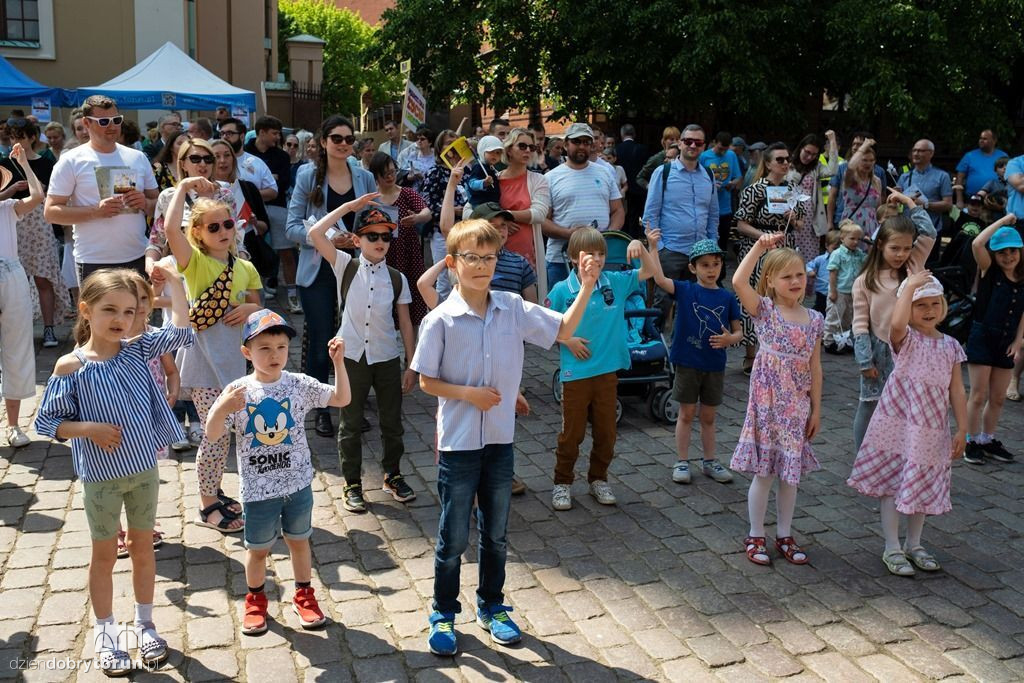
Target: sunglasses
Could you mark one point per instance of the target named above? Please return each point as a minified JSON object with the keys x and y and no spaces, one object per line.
{"x":338,"y":139}
{"x":782,"y":160}
{"x":291,"y":144}
{"x":214,"y":228}
{"x":384,"y":237}
{"x":526,"y":147}
{"x":105,"y":121}
{"x":200,"y":158}
{"x":692,"y":142}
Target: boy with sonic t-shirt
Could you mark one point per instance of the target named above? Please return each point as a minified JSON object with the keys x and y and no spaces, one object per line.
{"x":267,"y":411}
{"x":707,"y":322}
{"x":470,"y":355}
{"x":589,"y":363}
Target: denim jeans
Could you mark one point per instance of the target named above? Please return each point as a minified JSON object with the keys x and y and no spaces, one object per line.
{"x":320,"y":310}
{"x":487,"y":474}
{"x":556,"y":273}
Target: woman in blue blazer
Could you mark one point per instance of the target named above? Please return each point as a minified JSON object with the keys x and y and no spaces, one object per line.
{"x":320,"y":187}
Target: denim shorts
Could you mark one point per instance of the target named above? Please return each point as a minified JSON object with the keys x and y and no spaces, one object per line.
{"x":292,"y":514}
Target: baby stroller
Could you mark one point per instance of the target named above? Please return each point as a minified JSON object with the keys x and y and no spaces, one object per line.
{"x":959,"y":300}
{"x":649,"y":376}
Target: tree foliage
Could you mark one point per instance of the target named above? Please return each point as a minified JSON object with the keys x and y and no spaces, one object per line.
{"x":347,"y":39}
{"x":945,"y":66}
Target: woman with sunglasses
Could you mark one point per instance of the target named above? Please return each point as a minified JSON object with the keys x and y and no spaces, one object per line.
{"x":37,"y":245}
{"x":165,"y":164}
{"x":406,"y":253}
{"x":417,"y":160}
{"x":321,"y":187}
{"x":524,"y":194}
{"x":755,"y":217}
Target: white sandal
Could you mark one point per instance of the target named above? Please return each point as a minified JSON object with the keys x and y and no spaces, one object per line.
{"x":152,"y":648}
{"x":111,"y":658}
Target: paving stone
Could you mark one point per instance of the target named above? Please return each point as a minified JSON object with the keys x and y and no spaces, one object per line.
{"x":555,"y":580}
{"x":62,"y":608}
{"x":714,"y":650}
{"x":924,"y":659}
{"x":380,"y":669}
{"x":845,"y":640}
{"x":687,"y":670}
{"x":273,"y":664}
{"x":795,"y":637}
{"x":943,"y":611}
{"x":211,"y":632}
{"x":212,"y":665}
{"x":980,"y":664}
{"x":942,"y":637}
{"x":659,"y":643}
{"x":740,"y":630}
{"x":685,"y":622}
{"x":832,"y":666}
{"x":772,"y":660}
{"x":874,"y":626}
{"x":998,"y":645}
{"x":885,"y":668}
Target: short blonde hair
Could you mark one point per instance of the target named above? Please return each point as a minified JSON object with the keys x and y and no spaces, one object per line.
{"x":475,"y":232}
{"x":200,"y":208}
{"x":832,"y":238}
{"x":772,"y":263}
{"x":187,"y":147}
{"x":586,"y":239}
{"x":848,"y":227}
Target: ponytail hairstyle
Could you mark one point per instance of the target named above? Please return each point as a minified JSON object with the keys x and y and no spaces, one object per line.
{"x":97,"y":286}
{"x":774,"y":261}
{"x":329,"y":124}
{"x":200,"y":208}
{"x":899,"y":224}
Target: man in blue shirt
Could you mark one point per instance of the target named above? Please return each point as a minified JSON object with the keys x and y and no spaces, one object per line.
{"x":928,"y":186}
{"x":684,"y":206}
{"x":724,"y":164}
{"x":1015,"y":180}
{"x":977,"y":167}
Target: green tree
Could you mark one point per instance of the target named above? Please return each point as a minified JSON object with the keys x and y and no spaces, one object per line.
{"x":347,"y":39}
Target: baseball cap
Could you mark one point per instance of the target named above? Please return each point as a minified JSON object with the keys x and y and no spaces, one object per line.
{"x":1005,"y":238}
{"x":489,"y":210}
{"x":259,"y":322}
{"x":488,"y":143}
{"x":931,"y":288}
{"x":371,"y":217}
{"x":757,"y":147}
{"x":703,"y":248}
{"x":579,"y":130}
{"x":739,"y":142}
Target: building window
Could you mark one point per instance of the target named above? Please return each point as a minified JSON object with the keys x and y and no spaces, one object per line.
{"x":19,"y":20}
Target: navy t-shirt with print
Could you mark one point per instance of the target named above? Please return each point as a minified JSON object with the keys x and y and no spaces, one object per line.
{"x":700,"y":313}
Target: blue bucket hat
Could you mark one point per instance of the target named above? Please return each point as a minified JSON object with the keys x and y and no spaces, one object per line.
{"x":703,"y":248}
{"x":1005,"y":238}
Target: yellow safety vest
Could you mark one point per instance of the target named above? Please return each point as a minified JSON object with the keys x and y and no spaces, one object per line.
{"x":825,"y":179}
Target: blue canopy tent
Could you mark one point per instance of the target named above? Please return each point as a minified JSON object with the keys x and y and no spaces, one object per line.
{"x":170,"y":79}
{"x":17,"y":88}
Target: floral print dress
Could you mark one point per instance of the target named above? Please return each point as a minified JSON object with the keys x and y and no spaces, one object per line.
{"x":773,"y":440}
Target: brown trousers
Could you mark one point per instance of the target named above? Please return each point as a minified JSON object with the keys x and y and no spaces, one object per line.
{"x":583,"y":400}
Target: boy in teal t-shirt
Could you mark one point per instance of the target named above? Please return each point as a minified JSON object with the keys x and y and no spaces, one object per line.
{"x":588,"y":365}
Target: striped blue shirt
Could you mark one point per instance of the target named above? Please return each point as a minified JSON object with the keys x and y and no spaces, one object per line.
{"x":118,"y":391}
{"x":513,"y":273}
{"x":458,"y":346}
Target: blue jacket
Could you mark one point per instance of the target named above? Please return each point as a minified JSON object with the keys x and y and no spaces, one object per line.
{"x":301,"y":207}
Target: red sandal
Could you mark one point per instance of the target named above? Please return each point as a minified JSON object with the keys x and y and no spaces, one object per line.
{"x":788,"y":547}
{"x":757,"y":545}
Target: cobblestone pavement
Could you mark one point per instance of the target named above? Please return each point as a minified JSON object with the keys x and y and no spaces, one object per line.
{"x":656,"y":588}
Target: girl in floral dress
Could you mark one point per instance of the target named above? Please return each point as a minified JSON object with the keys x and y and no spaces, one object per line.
{"x":784,"y":410}
{"x":907,"y":452}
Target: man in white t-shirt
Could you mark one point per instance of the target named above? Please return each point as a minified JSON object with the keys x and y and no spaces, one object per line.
{"x":583,"y":194}
{"x":106,"y":191}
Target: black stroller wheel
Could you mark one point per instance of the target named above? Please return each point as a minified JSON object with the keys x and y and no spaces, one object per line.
{"x":556,"y":387}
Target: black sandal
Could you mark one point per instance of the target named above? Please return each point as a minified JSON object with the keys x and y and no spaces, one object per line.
{"x":229,"y":501}
{"x":227,"y":516}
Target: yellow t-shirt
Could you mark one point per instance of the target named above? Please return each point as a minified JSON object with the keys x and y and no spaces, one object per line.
{"x":203,"y":270}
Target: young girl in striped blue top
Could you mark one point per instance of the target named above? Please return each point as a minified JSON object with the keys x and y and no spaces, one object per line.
{"x":103,"y":398}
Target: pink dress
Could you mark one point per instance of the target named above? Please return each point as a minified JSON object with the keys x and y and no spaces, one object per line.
{"x":906,"y":450}
{"x":773,"y":439}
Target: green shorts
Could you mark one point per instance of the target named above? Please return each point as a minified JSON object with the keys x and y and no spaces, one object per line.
{"x":103,"y":500}
{"x":691,"y":385}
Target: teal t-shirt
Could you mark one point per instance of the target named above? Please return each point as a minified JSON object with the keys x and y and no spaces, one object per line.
{"x":603,"y":324}
{"x":849,"y":264}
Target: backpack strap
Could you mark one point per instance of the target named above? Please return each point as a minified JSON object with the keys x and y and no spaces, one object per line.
{"x":396,"y":285}
{"x":667,"y":166}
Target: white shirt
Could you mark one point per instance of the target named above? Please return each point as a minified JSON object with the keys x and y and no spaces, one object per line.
{"x":256,"y":171}
{"x":579,"y":197}
{"x":367,"y":325}
{"x":77,"y":175}
{"x":8,"y":230}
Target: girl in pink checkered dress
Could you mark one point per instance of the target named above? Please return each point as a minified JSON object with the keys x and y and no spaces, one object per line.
{"x":906,"y":456}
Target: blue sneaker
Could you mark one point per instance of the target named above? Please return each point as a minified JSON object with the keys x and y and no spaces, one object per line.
{"x":496,"y":620}
{"x":442,"y":634}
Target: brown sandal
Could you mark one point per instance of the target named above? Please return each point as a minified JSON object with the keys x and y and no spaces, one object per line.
{"x":757,"y":545}
{"x":788,"y":547}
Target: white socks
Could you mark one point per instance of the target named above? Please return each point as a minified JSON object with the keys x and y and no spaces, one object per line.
{"x":891,"y":525}
{"x":757,"y":503}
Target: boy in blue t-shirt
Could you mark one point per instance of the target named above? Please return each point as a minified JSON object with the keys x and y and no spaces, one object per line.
{"x":588,"y":364}
{"x":707,"y":322}
{"x":817,"y":268}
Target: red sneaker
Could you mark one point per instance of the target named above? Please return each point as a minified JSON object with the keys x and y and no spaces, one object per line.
{"x":255,"y":620}
{"x":306,"y":607}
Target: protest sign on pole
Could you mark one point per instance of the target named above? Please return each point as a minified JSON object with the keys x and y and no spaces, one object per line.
{"x":414,"y":112}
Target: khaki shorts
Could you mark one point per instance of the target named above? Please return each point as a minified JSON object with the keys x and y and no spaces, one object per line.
{"x":692,"y":385}
{"x":138,"y":494}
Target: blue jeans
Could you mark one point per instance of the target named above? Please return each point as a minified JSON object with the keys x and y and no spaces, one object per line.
{"x":320,"y":310}
{"x":556,"y":273}
{"x":486,"y":474}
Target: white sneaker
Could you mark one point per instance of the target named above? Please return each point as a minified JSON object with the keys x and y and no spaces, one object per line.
{"x":293,"y":304}
{"x":681,"y":472}
{"x":602,"y":492}
{"x":561,"y":497}
{"x":715,"y":470}
{"x":179,"y":446}
{"x":17,"y":438}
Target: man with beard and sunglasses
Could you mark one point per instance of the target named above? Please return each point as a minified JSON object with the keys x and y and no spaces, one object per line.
{"x":106,"y":191}
{"x":582,"y":194}
{"x":250,"y":167}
